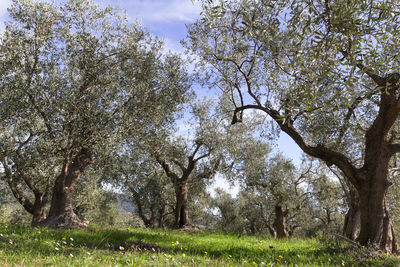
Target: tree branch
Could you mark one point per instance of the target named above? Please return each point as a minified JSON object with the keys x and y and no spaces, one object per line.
{"x":18,"y":194}
{"x":394,"y":148}
{"x":168,"y":171}
{"x":320,"y":151}
{"x":380,"y":81}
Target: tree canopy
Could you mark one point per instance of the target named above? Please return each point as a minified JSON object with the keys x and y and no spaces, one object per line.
{"x":75,"y":78}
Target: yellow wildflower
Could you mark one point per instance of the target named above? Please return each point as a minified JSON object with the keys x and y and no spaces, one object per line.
{"x":121,"y":248}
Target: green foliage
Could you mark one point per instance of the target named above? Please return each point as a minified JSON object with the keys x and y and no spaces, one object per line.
{"x":229,"y":214}
{"x":93,"y":203}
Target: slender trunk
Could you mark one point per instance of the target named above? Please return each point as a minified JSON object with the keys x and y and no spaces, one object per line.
{"x":152,"y":220}
{"x":352,"y":220}
{"x":161,"y":211}
{"x":280,"y":222}
{"x":61,"y":213}
{"x":252,"y":228}
{"x":181,"y":209}
{"x":136,"y":197}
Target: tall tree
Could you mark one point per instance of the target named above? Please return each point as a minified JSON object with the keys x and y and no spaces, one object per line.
{"x":326,"y":73}
{"x":188,"y":160}
{"x":74,"y":78}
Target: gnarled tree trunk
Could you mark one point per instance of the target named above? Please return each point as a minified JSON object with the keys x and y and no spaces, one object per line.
{"x":148,"y":222}
{"x":38,"y":213}
{"x":280,"y":222}
{"x":181,"y":209}
{"x":352,"y":220}
{"x":61,"y":213}
{"x":376,"y":226}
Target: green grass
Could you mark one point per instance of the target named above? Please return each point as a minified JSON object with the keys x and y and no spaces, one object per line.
{"x":24,"y":246}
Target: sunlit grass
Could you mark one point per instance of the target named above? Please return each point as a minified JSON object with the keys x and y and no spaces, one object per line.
{"x":24,"y":246}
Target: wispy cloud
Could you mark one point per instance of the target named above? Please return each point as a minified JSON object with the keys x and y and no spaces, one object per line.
{"x":4,"y":4}
{"x":160,"y":11}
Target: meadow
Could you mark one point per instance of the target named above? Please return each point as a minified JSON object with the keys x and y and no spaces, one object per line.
{"x":96,"y":246}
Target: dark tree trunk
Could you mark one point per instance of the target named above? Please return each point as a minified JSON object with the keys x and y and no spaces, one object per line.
{"x":161,"y":212}
{"x":352,"y":220}
{"x":280,"y":222}
{"x":61,"y":214}
{"x":181,"y":209}
{"x":376,"y":226}
{"x":148,"y":222}
{"x":38,"y":214}
{"x":252,"y":228}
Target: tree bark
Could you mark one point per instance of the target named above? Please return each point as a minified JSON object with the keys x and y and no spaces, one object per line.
{"x":38,"y":213}
{"x":376,"y":226}
{"x":161,"y":212}
{"x":352,"y":220}
{"x":61,"y":214}
{"x":40,"y":197}
{"x":181,"y":209}
{"x":148,"y":222}
{"x":280,"y":222}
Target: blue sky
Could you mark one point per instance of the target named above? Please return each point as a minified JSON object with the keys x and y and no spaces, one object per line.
{"x":167,"y":20}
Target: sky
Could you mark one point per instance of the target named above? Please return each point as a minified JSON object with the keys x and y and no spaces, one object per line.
{"x":167,"y":19}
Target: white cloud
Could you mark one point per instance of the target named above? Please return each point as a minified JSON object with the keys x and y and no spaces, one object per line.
{"x":159,"y":11}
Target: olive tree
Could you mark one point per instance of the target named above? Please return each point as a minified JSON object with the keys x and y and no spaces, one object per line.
{"x":74,"y":79}
{"x":326,"y":73}
{"x":276,"y":180}
{"x":187,"y":160}
{"x":136,"y":172}
{"x":329,"y":202}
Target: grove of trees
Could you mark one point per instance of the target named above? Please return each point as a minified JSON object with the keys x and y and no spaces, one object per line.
{"x":94,"y":112}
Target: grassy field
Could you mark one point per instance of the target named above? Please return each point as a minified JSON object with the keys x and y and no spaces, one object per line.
{"x":24,"y":246}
